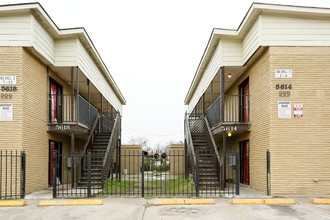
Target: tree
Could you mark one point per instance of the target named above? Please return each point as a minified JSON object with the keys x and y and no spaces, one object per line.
{"x":169,"y":144}
{"x":139,"y":140}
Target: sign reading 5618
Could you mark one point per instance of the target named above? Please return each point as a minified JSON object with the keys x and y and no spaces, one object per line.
{"x":8,"y":88}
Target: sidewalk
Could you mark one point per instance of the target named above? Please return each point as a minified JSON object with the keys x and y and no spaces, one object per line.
{"x":154,"y":209}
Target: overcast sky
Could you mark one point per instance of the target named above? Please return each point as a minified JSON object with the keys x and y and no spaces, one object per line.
{"x":152,"y":49}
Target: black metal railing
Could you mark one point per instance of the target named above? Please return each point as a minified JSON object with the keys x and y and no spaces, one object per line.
{"x":142,"y":176}
{"x":149,"y":176}
{"x":214,"y":149}
{"x":207,"y":163}
{"x":12,"y":174}
{"x":66,"y":108}
{"x":112,"y":145}
{"x":90,"y":163}
{"x":86,"y":112}
{"x":75,"y":181}
{"x":236,"y":110}
{"x":232,"y":178}
{"x":107,"y":122}
{"x":190,"y":151}
{"x":213,"y":113}
{"x":89,"y":140}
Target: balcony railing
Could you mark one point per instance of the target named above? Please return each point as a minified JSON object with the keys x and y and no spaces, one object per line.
{"x":66,"y":108}
{"x":236,"y":110}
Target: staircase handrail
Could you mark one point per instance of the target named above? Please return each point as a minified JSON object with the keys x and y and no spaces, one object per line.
{"x":212,"y":139}
{"x":190,"y":144}
{"x":107,"y":160}
{"x":89,"y":138}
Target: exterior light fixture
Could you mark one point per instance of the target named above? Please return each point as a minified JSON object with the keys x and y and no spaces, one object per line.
{"x":229,"y":76}
{"x":229,"y":134}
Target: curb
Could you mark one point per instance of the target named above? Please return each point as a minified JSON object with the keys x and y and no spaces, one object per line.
{"x":279,"y":202}
{"x":263,"y":202}
{"x":248,"y":201}
{"x":13,"y":203}
{"x":182,"y":202}
{"x":321,"y":201}
{"x":199,"y":201}
{"x":71,"y":202}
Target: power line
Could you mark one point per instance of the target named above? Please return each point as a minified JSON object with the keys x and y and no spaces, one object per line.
{"x":154,"y":135}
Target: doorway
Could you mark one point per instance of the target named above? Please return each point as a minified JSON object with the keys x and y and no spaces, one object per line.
{"x":55,"y":101}
{"x":244,"y":151}
{"x":53,"y":145}
{"x":244,"y":101}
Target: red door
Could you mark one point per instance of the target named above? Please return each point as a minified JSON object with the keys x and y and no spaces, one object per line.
{"x":52,"y":147}
{"x":54,"y":91}
{"x":246,"y":102}
{"x":246,"y":159}
{"x":244,"y":162}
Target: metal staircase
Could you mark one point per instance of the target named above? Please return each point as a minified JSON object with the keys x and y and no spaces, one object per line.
{"x":98,"y":149}
{"x":206,"y":161}
{"x":208,"y":172}
{"x":101,"y":145}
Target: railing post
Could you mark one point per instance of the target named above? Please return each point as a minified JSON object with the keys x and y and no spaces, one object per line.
{"x":142,"y":176}
{"x":186,"y":160}
{"x":222,"y":94}
{"x":77,"y":98}
{"x":72,"y":136}
{"x":54,"y":173}
{"x":89,"y":104}
{"x":238,"y":166}
{"x":76,"y":166}
{"x":23,"y":170}
{"x":89,"y":174}
{"x":197,"y":174}
{"x":268,"y":171}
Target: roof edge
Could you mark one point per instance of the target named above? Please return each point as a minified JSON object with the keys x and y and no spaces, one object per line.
{"x":79,"y":31}
{"x":254,"y":9}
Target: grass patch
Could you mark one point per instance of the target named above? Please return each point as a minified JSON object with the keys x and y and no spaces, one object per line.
{"x":160,"y":185}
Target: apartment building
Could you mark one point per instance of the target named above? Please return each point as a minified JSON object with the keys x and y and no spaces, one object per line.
{"x":55,"y":92}
{"x":264,"y":89}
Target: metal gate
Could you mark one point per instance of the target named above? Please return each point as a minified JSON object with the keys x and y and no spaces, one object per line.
{"x":138,"y":175}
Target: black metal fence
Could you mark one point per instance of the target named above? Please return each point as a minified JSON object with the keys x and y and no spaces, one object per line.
{"x":151,"y":176}
{"x":74,"y":177}
{"x":12,"y":174}
{"x":138,"y":175}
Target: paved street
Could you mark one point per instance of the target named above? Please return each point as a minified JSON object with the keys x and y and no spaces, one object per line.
{"x":138,"y":209}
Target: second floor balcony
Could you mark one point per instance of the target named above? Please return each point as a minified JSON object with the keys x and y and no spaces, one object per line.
{"x":235,"y":115}
{"x":69,"y":112}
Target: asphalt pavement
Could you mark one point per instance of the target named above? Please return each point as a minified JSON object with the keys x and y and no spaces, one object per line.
{"x":154,"y":209}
